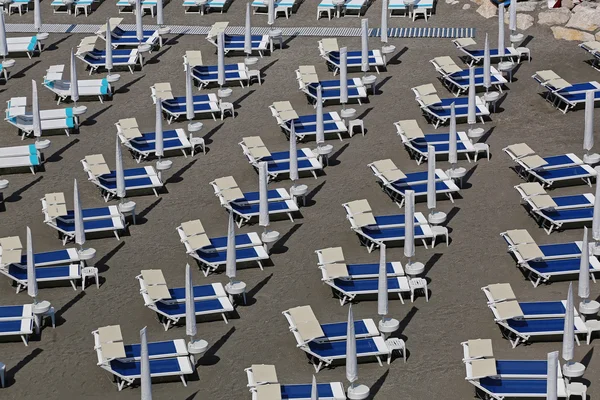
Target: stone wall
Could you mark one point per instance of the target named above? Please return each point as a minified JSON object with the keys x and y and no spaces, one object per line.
{"x":575,"y":20}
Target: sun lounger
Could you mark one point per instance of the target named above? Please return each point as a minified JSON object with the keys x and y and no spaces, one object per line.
{"x":143,"y":145}
{"x":29,"y":45}
{"x":99,"y":174}
{"x":593,"y":48}
{"x":264,"y":385}
{"x":476,"y":56}
{"x":348,"y":7}
{"x":303,"y":321}
{"x":102,"y":219}
{"x":306,"y":125}
{"x":20,"y":156}
{"x":438,"y":111}
{"x":456,"y":79}
{"x":125,"y":6}
{"x":175,"y":107}
{"x":398,"y":8}
{"x":65,"y":119}
{"x":158,"y":289}
{"x":65,"y":7}
{"x":416,"y":142}
{"x":518,"y":329}
{"x":95,"y":58}
{"x":330,"y":90}
{"x":17,"y":321}
{"x":524,"y":248}
{"x":123,"y":38}
{"x":170,"y":313}
{"x":559,"y":91}
{"x":330,"y":52}
{"x":516,"y":388}
{"x":44,"y":259}
{"x":501,"y":293}
{"x":396,"y":183}
{"x":126,"y":372}
{"x":193,"y":6}
{"x":281,"y":6}
{"x":333,"y":265}
{"x":346,"y":290}
{"x":211,"y":252}
{"x":61,"y":273}
{"x":235,"y":43}
{"x":62,"y":88}
{"x":205,"y":75}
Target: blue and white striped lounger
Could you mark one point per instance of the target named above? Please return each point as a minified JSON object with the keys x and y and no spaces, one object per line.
{"x":560,"y":91}
{"x":200,"y":292}
{"x":174,"y":111}
{"x":124,"y":38}
{"x":170,"y":313}
{"x":330,"y":90}
{"x":165,"y":349}
{"x":543,"y":271}
{"x":524,"y":248}
{"x":28,"y":45}
{"x":127,"y":372}
{"x":516,"y":388}
{"x":439,"y":114}
{"x":125,"y":6}
{"x":516,"y":369}
{"x":502,"y":292}
{"x":121,"y":58}
{"x":285,"y":6}
{"x":135,"y":179}
{"x":593,"y":48}
{"x":584,"y":173}
{"x":145,"y":145}
{"x":235,"y":43}
{"x":354,"y":60}
{"x":198,"y":99}
{"x":55,"y":273}
{"x":246,"y":211}
{"x":210,"y":5}
{"x":363,"y":271}
{"x":63,"y":256}
{"x":418,"y":147}
{"x":16,"y":321}
{"x":347,"y":290}
{"x":458,"y":82}
{"x":20,"y":156}
{"x":212,"y":259}
{"x":476,"y":56}
{"x":372,"y":236}
{"x":551,"y":220}
{"x":306,"y":125}
{"x":575,"y":97}
{"x":205,"y":75}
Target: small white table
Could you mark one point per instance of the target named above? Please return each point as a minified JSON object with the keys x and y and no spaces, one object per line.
{"x":275,"y":34}
{"x":491,"y":98}
{"x":370,"y":80}
{"x":236,"y":288}
{"x":128,"y":208}
{"x":410,"y":4}
{"x":195,"y":142}
{"x":388,"y":326}
{"x":254,"y":73}
{"x":42,"y":310}
{"x":323,"y":153}
{"x":299,"y":191}
{"x":396,"y":344}
{"x":358,"y":392}
{"x":457,"y":173}
{"x":506,"y":66}
{"x":89,"y":272}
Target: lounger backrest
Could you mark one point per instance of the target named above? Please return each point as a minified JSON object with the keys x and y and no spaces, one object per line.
{"x":114,"y":23}
{"x":11,"y":250}
{"x":424,"y":90}
{"x":528,"y":251}
{"x":154,"y":283}
{"x":304,"y":321}
{"x":519,"y":236}
{"x":358,"y":207}
{"x":464,"y":42}
{"x":388,"y":170}
{"x":507,"y":310}
{"x":409,"y":128}
{"x":482,"y":368}
{"x":518,"y":150}
{"x":194,"y":235}
{"x":217,"y":28}
{"x":479,"y":348}
{"x":531,"y":189}
{"x":542,"y":202}
{"x":95,"y":164}
{"x":193,"y":58}
{"x":330,"y":255}
{"x":533,"y":161}
{"x":500,"y":292}
{"x":329,"y":44}
{"x":54,"y":205}
{"x":335,"y":270}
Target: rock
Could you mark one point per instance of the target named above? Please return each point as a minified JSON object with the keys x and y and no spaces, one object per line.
{"x":526,"y":6}
{"x":590,"y":4}
{"x":598,"y":36}
{"x":454,"y":2}
{"x":487,"y":10}
{"x":558,"y":16}
{"x":571,"y":34}
{"x":584,"y":18}
{"x":524,"y":21}
{"x":449,"y":1}
{"x":478,"y":2}
{"x":466,"y":6}
{"x":568,"y":4}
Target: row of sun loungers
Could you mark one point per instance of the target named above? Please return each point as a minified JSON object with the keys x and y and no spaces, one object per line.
{"x":305,"y":126}
{"x":330,"y":52}
{"x":175,"y":107}
{"x":456,"y":79}
{"x":29,"y":45}
{"x":562,"y":94}
{"x":17,"y":321}
{"x":308,"y":82}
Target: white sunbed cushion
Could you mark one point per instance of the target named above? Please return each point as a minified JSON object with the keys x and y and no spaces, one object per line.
{"x":426,"y":89}
{"x":271,"y":391}
{"x":264,"y":373}
{"x":533,"y":161}
{"x":411,"y":129}
{"x":529,"y":251}
{"x":519,"y":236}
{"x":501,"y":292}
{"x":331,"y":255}
{"x":531,"y":188}
{"x":542,"y":202}
{"x":558,"y":83}
{"x":358,"y":206}
{"x":227,"y":182}
{"x":483,"y":368}
{"x":508,"y":309}
{"x":336,"y":270}
{"x":479,"y":348}
{"x":463,"y":42}
{"x":547,"y":75}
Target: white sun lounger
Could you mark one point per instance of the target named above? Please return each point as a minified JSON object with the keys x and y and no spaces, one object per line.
{"x":54,"y":81}
{"x":17,"y":321}
{"x":329,"y":50}
{"x":20,"y":156}
{"x":235,"y":43}
{"x":96,"y":58}
{"x":456,"y":79}
{"x":29,"y":45}
{"x":58,"y":273}
{"x":592,"y":47}
{"x":333,"y":264}
{"x":476,"y":56}
{"x":158,"y":288}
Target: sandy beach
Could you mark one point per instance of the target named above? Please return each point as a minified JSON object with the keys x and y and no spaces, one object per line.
{"x":61,"y":362}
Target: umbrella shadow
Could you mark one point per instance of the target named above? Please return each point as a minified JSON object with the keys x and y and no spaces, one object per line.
{"x":278,"y":247}
{"x":174,"y":40}
{"x":404,"y":323}
{"x":16,"y":195}
{"x":395,"y":60}
{"x":91,"y":120}
{"x":250,"y":295}
{"x":207,"y":137}
{"x":56,"y":156}
{"x":140,"y":219}
{"x":451,"y":214}
{"x":266,"y":67}
{"x":376,"y":387}
{"x":192,"y":396}
{"x":54,"y":46}
{"x":236,"y":103}
{"x":101,"y":263}
{"x":309,"y":199}
{"x":176,"y":177}
{"x":380,"y":85}
{"x":125,"y":87}
{"x":487,"y":135}
{"x":286,"y":42}
{"x":429,"y":264}
{"x":333,"y":159}
{"x":10,"y":373}
{"x":154,"y":58}
{"x":465,"y":180}
{"x":588,"y":357}
{"x":59,"y":314}
{"x":210,"y":357}
{"x":21,"y":73}
{"x":365,"y":113}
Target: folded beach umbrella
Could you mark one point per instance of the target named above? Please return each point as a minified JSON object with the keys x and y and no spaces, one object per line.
{"x":512,"y":17}
{"x":108,"y":47}
{"x":146,"y":381}
{"x":221,"y":59}
{"x":351,"y":359}
{"x":3,"y":43}
{"x":584,"y":269}
{"x":596,"y":214}
{"x":364,"y":48}
{"x":159,"y":13}
{"x":119,"y":172}
{"x":78,"y":216}
{"x":230,"y":259}
{"x":471,"y":105}
{"x":263,"y":200}
{"x":552,"y":376}
{"x":320,"y":127}
{"x":568,"y":345}
{"x":189,"y":97}
{"x":588,"y":133}
{"x":248,"y":32}
{"x":501,"y":29}
{"x":32,"y":288}
{"x":452,"y":152}
{"x":73,"y":77}
{"x":431,"y":192}
{"x":384,"y":22}
{"x":293,"y":155}
{"x":37,"y":16}
{"x":382,"y":287}
{"x":158,"y":127}
{"x":37,"y":122}
{"x":314,"y":393}
{"x":487,"y":65}
{"x":190,"y":306}
{"x":271,"y":12}
{"x":139,"y":25}
{"x":409,"y":225}
{"x":344,"y":76}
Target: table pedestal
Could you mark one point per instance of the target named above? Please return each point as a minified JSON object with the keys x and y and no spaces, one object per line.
{"x":236,"y":288}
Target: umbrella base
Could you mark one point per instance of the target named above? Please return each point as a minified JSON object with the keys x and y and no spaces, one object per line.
{"x":358,"y":392}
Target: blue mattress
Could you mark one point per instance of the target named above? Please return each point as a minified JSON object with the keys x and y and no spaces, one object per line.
{"x":199,"y":98}
{"x":395,"y":219}
{"x":569,"y":215}
{"x":364,"y":285}
{"x":128,"y":173}
{"x":542,"y":308}
{"x":339,"y":329}
{"x":284,"y":166}
{"x":11,"y":311}
{"x":181,"y":108}
{"x":254,"y":208}
{"x":176,"y":309}
{"x":58,"y":271}
{"x":133,"y":368}
{"x":569,"y":201}
{"x":221,"y":242}
{"x":560,"y":249}
{"x":305,"y":391}
{"x":255,"y":196}
{"x":480,"y":53}
{"x":312,"y":128}
{"x":368,"y":269}
{"x":514,"y":386}
{"x":332,"y":349}
{"x":48,"y":257}
{"x":130,"y":184}
{"x":204,"y":69}
{"x":570,"y":172}
{"x":154,"y":349}
{"x":214,"y":76}
{"x":10,"y":326}
{"x":283,"y":156}
{"x":310,"y":119}
{"x":241,"y":255}
{"x":561,"y":159}
{"x":392,"y":233}
{"x":151,"y":146}
{"x":97,"y":224}
{"x":537,"y":325}
{"x":549,"y":266}
{"x":197,"y":292}
{"x":420,"y":188}
{"x":522,"y":367}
